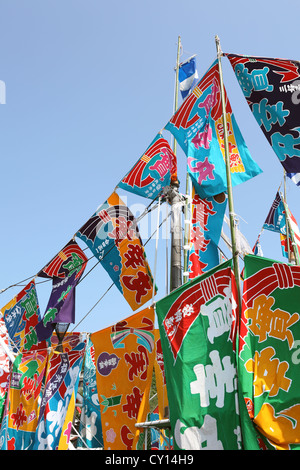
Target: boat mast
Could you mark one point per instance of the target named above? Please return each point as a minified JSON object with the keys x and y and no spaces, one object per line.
{"x":235,"y":252}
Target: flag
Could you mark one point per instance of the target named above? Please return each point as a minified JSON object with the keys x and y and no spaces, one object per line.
{"x":21,"y":316}
{"x":198,"y":127}
{"x":4,"y":366}
{"x":153,"y":171}
{"x":124,"y":356}
{"x":90,"y":428}
{"x":61,"y":381}
{"x":206,"y":226}
{"x":26,"y":380}
{"x":187,"y":76}
{"x":113,"y":237}
{"x":197,"y":325}
{"x":65,"y":269}
{"x":268,"y":355}
{"x":271,"y":88}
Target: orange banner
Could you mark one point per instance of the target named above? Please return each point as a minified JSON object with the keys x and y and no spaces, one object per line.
{"x":124,"y":357}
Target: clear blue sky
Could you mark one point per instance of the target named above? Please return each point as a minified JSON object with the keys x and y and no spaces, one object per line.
{"x":88,"y":85}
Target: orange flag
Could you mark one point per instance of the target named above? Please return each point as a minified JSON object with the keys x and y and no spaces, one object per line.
{"x":124,"y":357}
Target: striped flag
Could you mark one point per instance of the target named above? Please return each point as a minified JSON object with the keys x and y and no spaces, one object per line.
{"x":187,"y":76}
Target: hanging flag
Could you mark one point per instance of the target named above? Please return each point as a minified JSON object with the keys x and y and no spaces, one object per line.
{"x":153,"y":170}
{"x":4,"y":366}
{"x":269,"y":355}
{"x":113,"y":237}
{"x":90,"y":428}
{"x":198,"y":127}
{"x":197,"y":325}
{"x":206,"y":226}
{"x":62,"y":379}
{"x":65,"y":269}
{"x":21,"y":316}
{"x":187,"y":76}
{"x":271,"y":88}
{"x":25,"y":385}
{"x":124,"y":356}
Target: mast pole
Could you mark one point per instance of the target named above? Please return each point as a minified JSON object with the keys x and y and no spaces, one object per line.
{"x":235,"y":252}
{"x":175,"y":202}
{"x":286,"y":219}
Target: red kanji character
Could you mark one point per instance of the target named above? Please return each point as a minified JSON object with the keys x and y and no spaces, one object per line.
{"x":135,"y":256}
{"x":133,"y":403}
{"x":139,"y":363}
{"x":141,"y":284}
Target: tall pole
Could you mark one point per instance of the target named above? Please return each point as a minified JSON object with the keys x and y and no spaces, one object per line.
{"x":175,"y":202}
{"x":235,"y":253}
{"x":286,"y":220}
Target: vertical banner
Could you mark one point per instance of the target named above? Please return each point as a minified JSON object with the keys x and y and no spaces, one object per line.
{"x":113,"y":237}
{"x":21,"y":316}
{"x":197,"y":324}
{"x":90,"y":428}
{"x":124,"y":357}
{"x":207,"y":220}
{"x":269,"y":351}
{"x":24,"y":392}
{"x":62,"y":378}
{"x":4,"y":367}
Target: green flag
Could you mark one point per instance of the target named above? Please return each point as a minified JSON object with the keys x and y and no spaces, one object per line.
{"x":269,"y":355}
{"x":197,"y":325}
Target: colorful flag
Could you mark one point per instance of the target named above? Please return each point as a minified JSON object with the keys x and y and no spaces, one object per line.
{"x":24,"y":391}
{"x":187,"y":76}
{"x":198,"y":127}
{"x":197,"y":325}
{"x":271,"y":88}
{"x":113,"y":237}
{"x":21,"y":316}
{"x":90,"y":428}
{"x":269,"y":355}
{"x":65,"y":269}
{"x":206,"y":227}
{"x":124,"y":357}
{"x":4,"y":366}
{"x":62,"y":379}
{"x":153,"y":171}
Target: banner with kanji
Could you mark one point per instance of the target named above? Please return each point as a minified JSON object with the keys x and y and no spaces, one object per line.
{"x":206,"y":226}
{"x":271,"y":88}
{"x":62,"y":379}
{"x":23,"y":400}
{"x":4,"y":366}
{"x":124,"y":357}
{"x":197,"y":325}
{"x":268,"y":356}
{"x":66,"y":269}
{"x":198,"y":127}
{"x":153,"y":171}
{"x":113,"y":237}
{"x":21,"y":316}
{"x":90,"y":428}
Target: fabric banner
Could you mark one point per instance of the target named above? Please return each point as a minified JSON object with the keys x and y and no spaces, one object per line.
{"x":207,"y":220}
{"x":197,"y":325}
{"x":65,"y":269}
{"x":124,"y":356}
{"x":271,"y":88}
{"x":269,"y":355}
{"x":198,"y":127}
{"x":23,"y":401}
{"x":153,"y":171}
{"x":21,"y":316}
{"x":4,"y":367}
{"x":62,"y":379}
{"x":90,"y":428}
{"x":113,"y":237}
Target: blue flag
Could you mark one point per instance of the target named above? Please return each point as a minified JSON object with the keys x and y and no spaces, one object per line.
{"x":187,"y":76}
{"x":198,"y":127}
